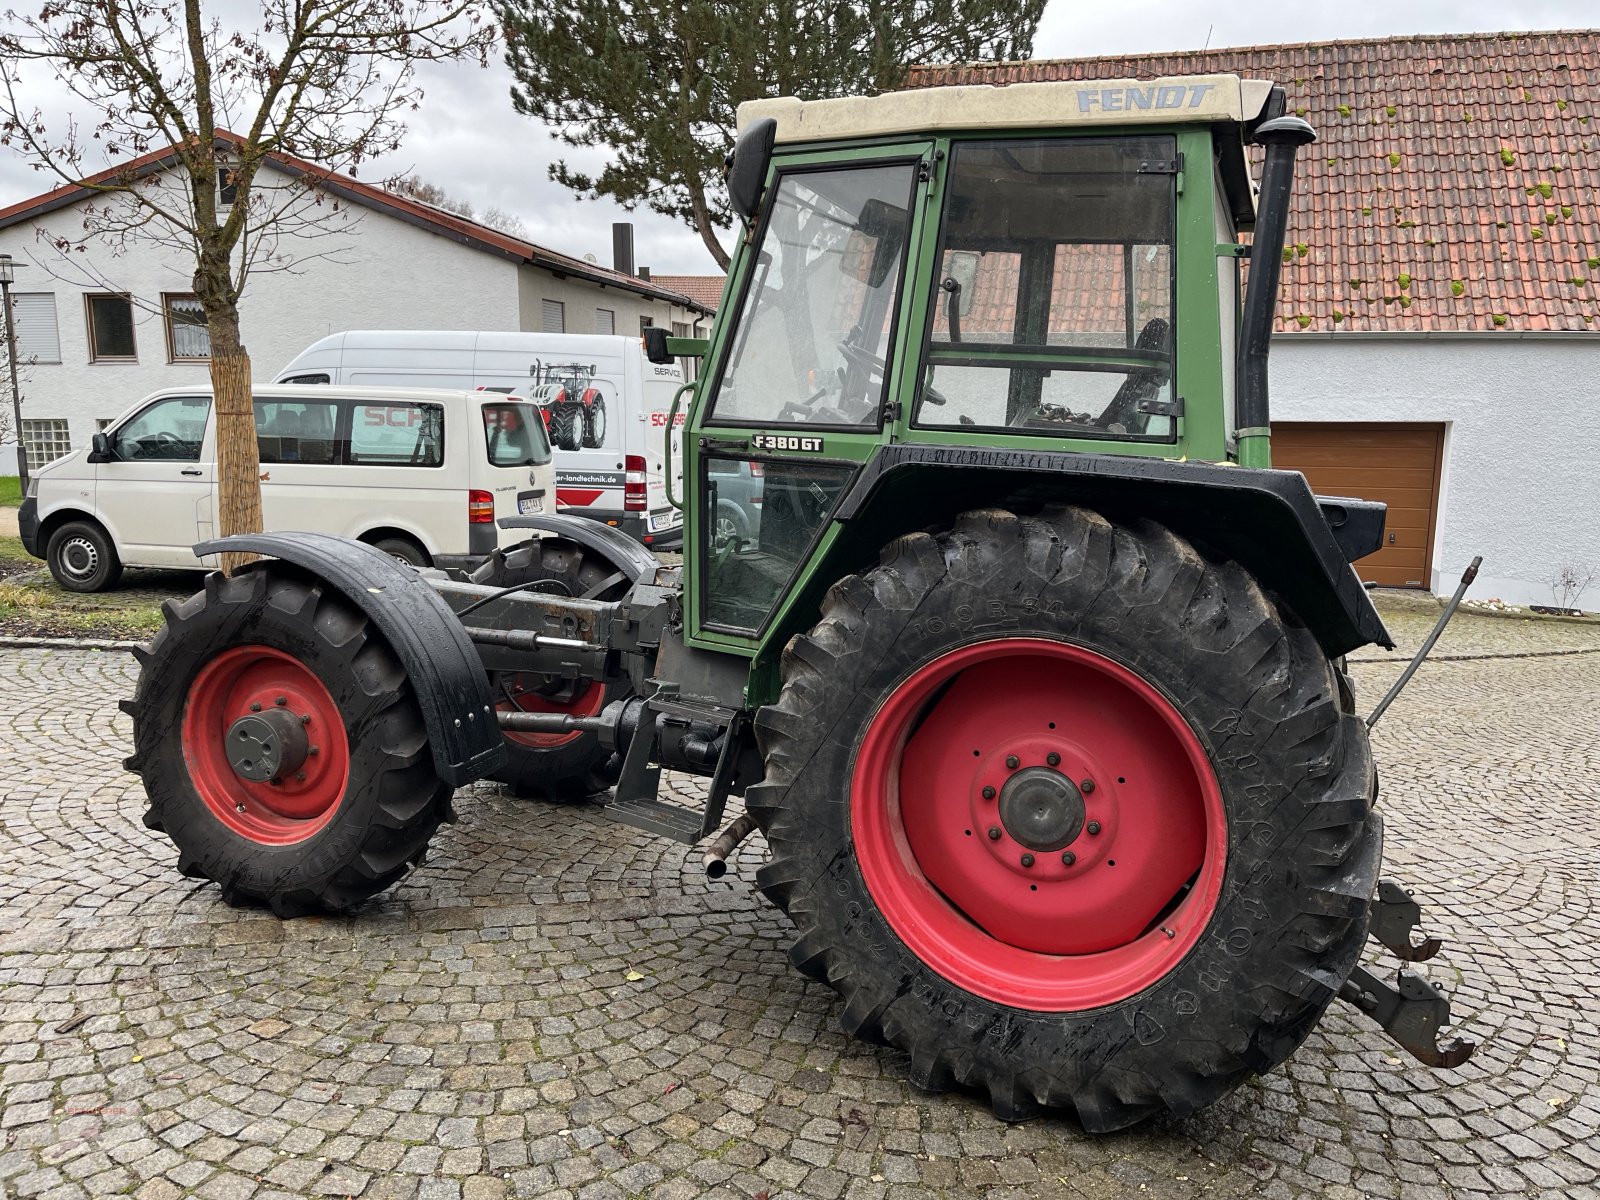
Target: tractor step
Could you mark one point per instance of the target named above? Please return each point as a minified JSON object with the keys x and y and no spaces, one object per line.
{"x":673,"y":821}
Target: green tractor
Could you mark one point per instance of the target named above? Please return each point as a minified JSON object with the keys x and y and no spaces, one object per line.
{"x":1030,"y":671}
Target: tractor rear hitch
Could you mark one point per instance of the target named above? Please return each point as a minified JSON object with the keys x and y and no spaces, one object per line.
{"x":1395,"y":916}
{"x":1412,"y":1014}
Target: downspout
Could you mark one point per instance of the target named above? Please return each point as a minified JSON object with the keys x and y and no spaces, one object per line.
{"x":1283,"y":137}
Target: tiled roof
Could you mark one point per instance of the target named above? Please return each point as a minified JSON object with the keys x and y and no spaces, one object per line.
{"x":1455,"y":185}
{"x":427,"y":216}
{"x":702,"y":289}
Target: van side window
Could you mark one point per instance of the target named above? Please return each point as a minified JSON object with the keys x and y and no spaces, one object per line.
{"x":397,"y":435}
{"x":317,"y":377}
{"x":296,"y":431}
{"x":514,"y":435}
{"x":170,"y":430}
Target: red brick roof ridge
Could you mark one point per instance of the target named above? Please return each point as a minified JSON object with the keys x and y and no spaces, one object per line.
{"x":1456,"y":185}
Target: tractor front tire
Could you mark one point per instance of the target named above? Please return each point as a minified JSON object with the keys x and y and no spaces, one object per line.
{"x":1069,"y":813}
{"x":564,"y":767}
{"x":272,"y":659}
{"x":566,"y":422}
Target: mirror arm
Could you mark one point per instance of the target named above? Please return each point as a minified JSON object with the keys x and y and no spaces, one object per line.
{"x":952,"y":307}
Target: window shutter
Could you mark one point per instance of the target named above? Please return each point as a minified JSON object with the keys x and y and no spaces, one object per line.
{"x":38,"y":335}
{"x":553,"y":316}
{"x":605,"y":320}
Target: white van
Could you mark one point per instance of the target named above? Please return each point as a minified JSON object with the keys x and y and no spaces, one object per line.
{"x":605,"y":406}
{"x":425,"y":475}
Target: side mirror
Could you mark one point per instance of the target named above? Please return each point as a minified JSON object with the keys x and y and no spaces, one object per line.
{"x":747,"y":167}
{"x":100,"y":449}
{"x":885,"y":225}
{"x":655,"y":344}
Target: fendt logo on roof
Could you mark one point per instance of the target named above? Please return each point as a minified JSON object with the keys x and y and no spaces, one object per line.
{"x":1129,"y":99}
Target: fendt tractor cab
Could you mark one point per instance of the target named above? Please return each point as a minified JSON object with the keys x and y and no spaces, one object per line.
{"x":1027,"y":666}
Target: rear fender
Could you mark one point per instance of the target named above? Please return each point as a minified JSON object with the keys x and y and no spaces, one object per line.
{"x":1268,"y":521}
{"x":446,"y":673}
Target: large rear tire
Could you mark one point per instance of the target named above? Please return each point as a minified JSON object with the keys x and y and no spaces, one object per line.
{"x":281,"y":745}
{"x":1106,"y":840}
{"x":553,"y":766}
{"x":566,"y":423}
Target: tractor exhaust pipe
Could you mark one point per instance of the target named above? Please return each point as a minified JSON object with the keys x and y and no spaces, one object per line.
{"x":716,"y":860}
{"x":1283,"y":137}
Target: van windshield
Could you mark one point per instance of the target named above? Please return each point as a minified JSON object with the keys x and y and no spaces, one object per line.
{"x":514,"y":434}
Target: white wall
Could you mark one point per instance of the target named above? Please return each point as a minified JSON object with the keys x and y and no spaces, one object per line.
{"x":374,"y":272}
{"x":1521,"y":479}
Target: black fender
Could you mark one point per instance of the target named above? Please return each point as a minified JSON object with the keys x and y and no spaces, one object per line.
{"x":616,"y":547}
{"x":446,"y":672}
{"x":1268,"y":521}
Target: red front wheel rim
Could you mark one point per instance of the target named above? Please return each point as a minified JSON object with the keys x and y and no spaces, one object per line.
{"x":1038,"y":824}
{"x":257,"y":692}
{"x":587,"y":699}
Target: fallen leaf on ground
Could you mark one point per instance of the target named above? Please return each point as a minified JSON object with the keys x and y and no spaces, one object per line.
{"x":633,"y":977}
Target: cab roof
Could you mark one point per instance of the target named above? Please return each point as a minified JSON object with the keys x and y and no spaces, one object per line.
{"x":1170,"y":100}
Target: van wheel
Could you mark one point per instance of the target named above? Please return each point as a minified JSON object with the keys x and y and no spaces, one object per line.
{"x":82,"y":558}
{"x":554,"y":766}
{"x":404,"y":550}
{"x":564,"y":419}
{"x":594,"y":423}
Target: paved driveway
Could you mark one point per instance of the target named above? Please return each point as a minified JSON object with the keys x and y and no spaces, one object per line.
{"x":558,"y":1006}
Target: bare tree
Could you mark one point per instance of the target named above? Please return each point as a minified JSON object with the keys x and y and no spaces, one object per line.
{"x":193,"y":114}
{"x":418,"y":188}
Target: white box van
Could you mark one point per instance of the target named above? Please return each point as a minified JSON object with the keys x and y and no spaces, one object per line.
{"x":605,"y":405}
{"x":423,"y":474}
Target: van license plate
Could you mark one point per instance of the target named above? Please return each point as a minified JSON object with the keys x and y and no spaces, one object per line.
{"x":530,"y":504}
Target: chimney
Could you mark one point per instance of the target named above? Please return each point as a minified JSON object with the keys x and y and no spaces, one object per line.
{"x":644,"y":274}
{"x":622,"y":247}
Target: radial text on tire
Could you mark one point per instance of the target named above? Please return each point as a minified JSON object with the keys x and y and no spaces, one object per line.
{"x":281,"y":744}
{"x":1106,"y":841}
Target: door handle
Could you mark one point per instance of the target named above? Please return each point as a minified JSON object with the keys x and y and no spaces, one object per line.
{"x":193,"y":471}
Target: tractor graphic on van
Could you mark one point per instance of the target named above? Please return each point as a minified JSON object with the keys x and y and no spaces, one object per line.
{"x":574,"y":408}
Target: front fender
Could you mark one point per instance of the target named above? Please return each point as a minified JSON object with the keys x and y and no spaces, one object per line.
{"x":446,"y":673}
{"x":617,"y":548}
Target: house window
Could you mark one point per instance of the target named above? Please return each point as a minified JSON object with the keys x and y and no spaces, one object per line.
{"x":681,"y":329}
{"x":45,"y":441}
{"x":38,"y":336}
{"x":227,"y":187}
{"x":110,"y":329}
{"x":102,"y":423}
{"x":187,"y":335}
{"x":605,"y":320}
{"x":553,"y":316}
{"x":645,"y":323}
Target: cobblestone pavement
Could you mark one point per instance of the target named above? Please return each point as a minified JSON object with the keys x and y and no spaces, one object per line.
{"x":558,"y":1006}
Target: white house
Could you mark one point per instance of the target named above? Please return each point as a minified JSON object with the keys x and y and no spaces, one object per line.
{"x":100,"y":328}
{"x":1439,"y":336}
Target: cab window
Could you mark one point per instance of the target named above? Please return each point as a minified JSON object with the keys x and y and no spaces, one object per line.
{"x":1052,"y":305}
{"x":170,"y":430}
{"x":813,"y":331}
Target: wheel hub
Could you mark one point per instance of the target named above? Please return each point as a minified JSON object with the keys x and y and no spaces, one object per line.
{"x":1042,"y":809}
{"x":267,"y":745}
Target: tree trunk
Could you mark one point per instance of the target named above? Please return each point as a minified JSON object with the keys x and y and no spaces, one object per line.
{"x":702,"y":223}
{"x":238,"y":462}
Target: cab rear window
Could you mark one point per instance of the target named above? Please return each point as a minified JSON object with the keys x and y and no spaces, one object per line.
{"x":397,"y":435}
{"x":514,"y":435}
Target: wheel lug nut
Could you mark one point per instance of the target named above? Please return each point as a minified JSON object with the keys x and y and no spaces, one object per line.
{"x":1086,"y":786}
{"x":988,"y":793}
{"x":994,"y":833}
{"x":1068,"y":859}
{"x":238,"y":808}
{"x":311,"y":750}
{"x":1052,"y":759}
{"x":1027,"y":860}
{"x":281,"y":701}
{"x":1093,"y":826}
{"x":305,"y":718}
{"x":299,"y":776}
{"x":255,"y":706}
{"x":1012,"y":762}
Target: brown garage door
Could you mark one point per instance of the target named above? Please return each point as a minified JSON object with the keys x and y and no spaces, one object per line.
{"x":1398,"y":464}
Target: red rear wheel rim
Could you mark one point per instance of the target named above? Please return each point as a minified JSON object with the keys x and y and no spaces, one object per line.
{"x":1078,"y":923}
{"x":249,"y":680}
{"x":586,"y":701}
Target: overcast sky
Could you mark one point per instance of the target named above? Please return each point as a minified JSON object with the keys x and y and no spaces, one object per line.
{"x":466,"y":138}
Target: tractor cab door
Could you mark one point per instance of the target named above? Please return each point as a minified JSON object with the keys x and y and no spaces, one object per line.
{"x":799,"y":379}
